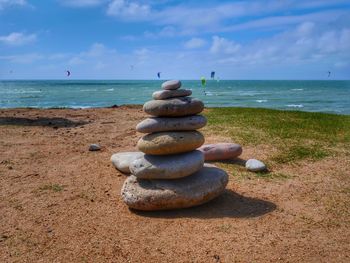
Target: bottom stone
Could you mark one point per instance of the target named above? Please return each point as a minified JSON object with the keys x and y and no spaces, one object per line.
{"x":196,"y":189}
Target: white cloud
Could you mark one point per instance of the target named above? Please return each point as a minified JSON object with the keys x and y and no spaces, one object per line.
{"x":189,"y":18}
{"x":18,"y":39}
{"x":224,"y":46}
{"x":97,"y":52}
{"x":23,"y":58}
{"x":128,"y":10}
{"x":76,"y":61}
{"x":194,"y":42}
{"x":302,"y":45}
{"x":280,"y":22}
{"x":57,"y":56}
{"x":167,"y":31}
{"x":9,"y":3}
{"x":142,"y":54}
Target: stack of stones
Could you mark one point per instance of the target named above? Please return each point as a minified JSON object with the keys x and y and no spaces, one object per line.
{"x":171,"y":173}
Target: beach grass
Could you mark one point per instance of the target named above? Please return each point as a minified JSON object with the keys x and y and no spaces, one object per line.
{"x":294,"y":135}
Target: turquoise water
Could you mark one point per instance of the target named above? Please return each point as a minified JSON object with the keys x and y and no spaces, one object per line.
{"x":315,"y":96}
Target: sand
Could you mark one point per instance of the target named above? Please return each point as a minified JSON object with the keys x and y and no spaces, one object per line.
{"x":61,"y":203}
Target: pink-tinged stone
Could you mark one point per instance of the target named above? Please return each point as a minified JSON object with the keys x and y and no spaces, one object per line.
{"x":220,"y":151}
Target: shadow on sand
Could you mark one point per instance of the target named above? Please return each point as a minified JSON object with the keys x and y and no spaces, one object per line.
{"x":229,"y":204}
{"x":237,"y":161}
{"x":50,"y":122}
{"x":240,"y":162}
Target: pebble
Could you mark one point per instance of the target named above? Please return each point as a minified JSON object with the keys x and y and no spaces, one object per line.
{"x":157,"y":124}
{"x":171,"y":142}
{"x":171,"y":84}
{"x":167,"y":167}
{"x":174,"y":107}
{"x":255,"y":165}
{"x":94,"y":147}
{"x":122,"y":160}
{"x":193,"y":190}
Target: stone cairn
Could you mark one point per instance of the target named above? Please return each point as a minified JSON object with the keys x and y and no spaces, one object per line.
{"x":170,"y":173}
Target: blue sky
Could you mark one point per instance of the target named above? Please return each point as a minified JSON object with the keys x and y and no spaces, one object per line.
{"x":120,"y":39}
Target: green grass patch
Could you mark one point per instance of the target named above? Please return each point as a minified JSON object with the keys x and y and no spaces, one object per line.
{"x":300,"y":152}
{"x":273,"y":175}
{"x":52,"y":187}
{"x":296,"y":135}
{"x":240,"y":172}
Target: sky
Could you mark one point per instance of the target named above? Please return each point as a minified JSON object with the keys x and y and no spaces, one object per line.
{"x":121,"y":39}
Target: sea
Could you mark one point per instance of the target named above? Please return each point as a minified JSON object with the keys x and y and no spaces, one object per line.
{"x":331,"y":96}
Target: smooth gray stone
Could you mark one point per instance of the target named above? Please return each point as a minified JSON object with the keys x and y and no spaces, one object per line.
{"x":196,"y":189}
{"x":94,"y":147}
{"x":171,"y":84}
{"x":175,"y":107}
{"x":167,"y":94}
{"x":158,"y":124}
{"x":122,"y":160}
{"x":167,"y":167}
{"x":170,"y":142}
{"x":255,"y":165}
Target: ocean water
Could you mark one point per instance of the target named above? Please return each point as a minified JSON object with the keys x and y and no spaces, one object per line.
{"x":314,"y":96}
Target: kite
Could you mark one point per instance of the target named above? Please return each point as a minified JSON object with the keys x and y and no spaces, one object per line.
{"x":203,"y":81}
{"x":212,"y":75}
{"x":158,"y":74}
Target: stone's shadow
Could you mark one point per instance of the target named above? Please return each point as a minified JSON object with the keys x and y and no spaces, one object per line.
{"x":240,"y":162}
{"x":237,"y":161}
{"x":229,"y":204}
{"x":50,"y":122}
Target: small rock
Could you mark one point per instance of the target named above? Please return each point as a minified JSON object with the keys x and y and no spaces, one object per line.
{"x":94,"y":147}
{"x":168,"y":94}
{"x":220,"y":151}
{"x":122,"y":160}
{"x":171,"y":84}
{"x":255,"y":165}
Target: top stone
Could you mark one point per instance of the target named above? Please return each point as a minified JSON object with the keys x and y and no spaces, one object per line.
{"x":171,"y":84}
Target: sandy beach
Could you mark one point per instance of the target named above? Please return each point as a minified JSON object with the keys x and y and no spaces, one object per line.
{"x":61,"y":203}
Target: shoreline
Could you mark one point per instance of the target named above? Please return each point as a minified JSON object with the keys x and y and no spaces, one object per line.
{"x":132,"y":106}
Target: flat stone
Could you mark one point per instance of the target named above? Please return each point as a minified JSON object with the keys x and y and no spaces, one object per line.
{"x":196,"y":189}
{"x":122,"y":160}
{"x":94,"y":147}
{"x":167,"y":167}
{"x":174,"y":107}
{"x":220,"y":151}
{"x":168,"y":94}
{"x":163,"y":143}
{"x":171,"y":84}
{"x":158,"y":124}
{"x":255,"y":165}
